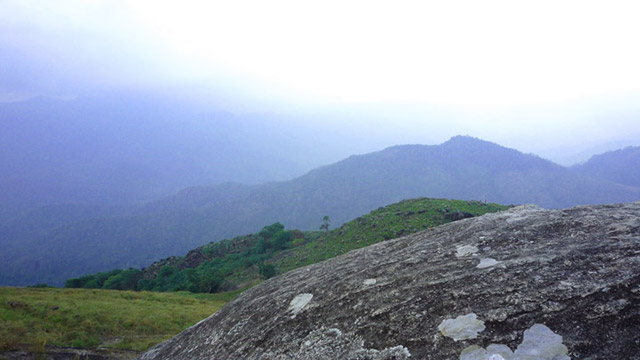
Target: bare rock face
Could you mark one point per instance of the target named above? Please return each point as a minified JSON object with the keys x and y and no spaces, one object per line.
{"x":551,"y":285}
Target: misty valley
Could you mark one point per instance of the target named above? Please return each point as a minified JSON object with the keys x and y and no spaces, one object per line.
{"x":210,"y":243}
{"x":314,"y":180}
{"x":52,"y":243}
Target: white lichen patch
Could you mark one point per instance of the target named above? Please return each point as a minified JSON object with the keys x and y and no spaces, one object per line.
{"x":462,"y":328}
{"x":473,"y":352}
{"x":298,"y":303}
{"x":466,"y":250}
{"x":539,"y":342}
{"x":332,"y":343}
{"x":487,"y":262}
{"x":492,"y":352}
{"x":369,"y":282}
{"x":396,"y":352}
{"x":498,"y":352}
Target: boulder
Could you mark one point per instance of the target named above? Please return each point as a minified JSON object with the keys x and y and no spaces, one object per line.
{"x":552,"y":285}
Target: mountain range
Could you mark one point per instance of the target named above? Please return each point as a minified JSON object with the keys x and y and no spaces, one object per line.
{"x":620,"y":166}
{"x":132,"y":148}
{"x":84,"y":240}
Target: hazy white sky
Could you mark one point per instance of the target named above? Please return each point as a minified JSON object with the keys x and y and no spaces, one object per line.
{"x":501,"y":65}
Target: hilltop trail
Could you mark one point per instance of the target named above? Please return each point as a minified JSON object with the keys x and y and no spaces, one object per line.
{"x":572,"y":272}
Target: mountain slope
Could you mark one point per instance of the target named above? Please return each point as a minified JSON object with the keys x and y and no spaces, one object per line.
{"x":461,"y":168}
{"x":620,"y":166}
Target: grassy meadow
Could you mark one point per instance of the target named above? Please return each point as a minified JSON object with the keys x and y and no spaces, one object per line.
{"x":33,"y":318}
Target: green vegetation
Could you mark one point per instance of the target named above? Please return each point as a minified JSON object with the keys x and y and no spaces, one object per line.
{"x":246,"y":260}
{"x":403,"y":218}
{"x":325,"y":223}
{"x":36,"y":317}
{"x":215,"y":263}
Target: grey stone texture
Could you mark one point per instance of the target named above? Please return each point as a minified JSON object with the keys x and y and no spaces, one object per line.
{"x":575,"y":271}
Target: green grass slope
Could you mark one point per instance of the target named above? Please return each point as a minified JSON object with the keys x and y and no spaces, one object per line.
{"x":403,"y":218}
{"x":34,"y":319}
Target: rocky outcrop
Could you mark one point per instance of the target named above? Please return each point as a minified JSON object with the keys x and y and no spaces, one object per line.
{"x":526,"y":283}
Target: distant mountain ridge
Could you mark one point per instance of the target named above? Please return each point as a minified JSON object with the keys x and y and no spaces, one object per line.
{"x":131,"y":148}
{"x":621,"y":166}
{"x":462,"y":168}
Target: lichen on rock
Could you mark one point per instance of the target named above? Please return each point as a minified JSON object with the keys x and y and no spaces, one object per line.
{"x":298,"y":303}
{"x":538,"y":343}
{"x":463,"y":327}
{"x":326,"y":343}
{"x":492,"y":352}
{"x":487,"y":262}
{"x":466,"y":250}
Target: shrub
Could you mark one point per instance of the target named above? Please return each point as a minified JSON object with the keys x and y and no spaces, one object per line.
{"x":267,"y":270}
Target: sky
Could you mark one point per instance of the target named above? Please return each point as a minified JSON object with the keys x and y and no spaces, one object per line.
{"x":556,"y":78}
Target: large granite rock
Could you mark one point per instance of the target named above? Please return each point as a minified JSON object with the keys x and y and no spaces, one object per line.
{"x":526,"y":283}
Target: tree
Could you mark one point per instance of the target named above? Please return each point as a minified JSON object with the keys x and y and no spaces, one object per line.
{"x":325,"y":223}
{"x":267,"y":270}
{"x":261,"y":246}
{"x":267,"y":232}
{"x":124,"y":280}
{"x":280,"y":240}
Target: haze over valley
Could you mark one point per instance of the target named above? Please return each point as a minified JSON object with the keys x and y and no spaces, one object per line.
{"x":53,"y":243}
{"x":99,"y":147}
{"x":118,"y":120}
{"x":206,"y":147}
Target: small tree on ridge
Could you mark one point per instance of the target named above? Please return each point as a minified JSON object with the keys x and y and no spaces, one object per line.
{"x":325,"y":223}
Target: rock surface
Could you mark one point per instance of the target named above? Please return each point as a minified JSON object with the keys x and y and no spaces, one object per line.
{"x":571,"y":276}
